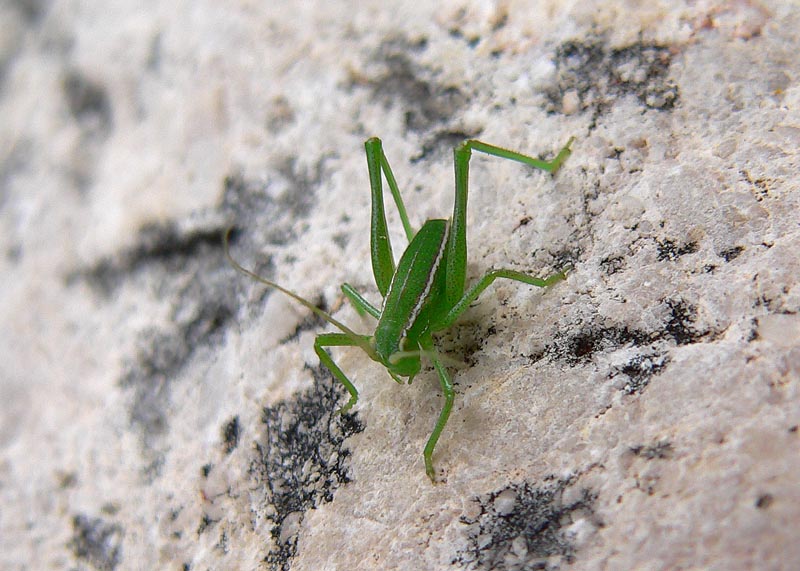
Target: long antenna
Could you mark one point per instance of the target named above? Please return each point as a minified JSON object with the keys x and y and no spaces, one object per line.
{"x":359,"y":339}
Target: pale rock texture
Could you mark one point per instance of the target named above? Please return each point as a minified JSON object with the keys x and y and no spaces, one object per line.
{"x":161,"y":411}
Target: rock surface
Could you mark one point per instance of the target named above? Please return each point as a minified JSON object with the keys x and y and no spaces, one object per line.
{"x":160,"y":411}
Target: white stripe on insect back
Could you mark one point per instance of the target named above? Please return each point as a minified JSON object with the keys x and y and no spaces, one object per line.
{"x":394,"y":281}
{"x":434,"y":268}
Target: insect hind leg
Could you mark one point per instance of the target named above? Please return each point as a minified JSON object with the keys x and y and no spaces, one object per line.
{"x":487,"y":280}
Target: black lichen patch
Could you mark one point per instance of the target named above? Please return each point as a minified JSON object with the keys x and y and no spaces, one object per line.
{"x":669,"y":250}
{"x":96,"y":542}
{"x":183,"y":262}
{"x":186,"y":266}
{"x":14,"y":161}
{"x":163,"y":245}
{"x":310,"y":322}
{"x":280,"y":114}
{"x":731,"y":254}
{"x":764,"y":501}
{"x":640,"y":369}
{"x":401,"y":81}
{"x":465,"y":338}
{"x":31,"y":10}
{"x":205,"y":523}
{"x":302,"y":460}
{"x":300,"y":186}
{"x":341,"y":239}
{"x":661,"y":450}
{"x":680,"y":326}
{"x":565,"y":260}
{"x":223,"y":544}
{"x":163,"y":354}
{"x":203,"y":305}
{"x":88,"y":102}
{"x":522,"y":527}
{"x":442,"y":144}
{"x":579,"y":348}
{"x":651,"y":355}
{"x":599,"y":75}
{"x":612,"y":264}
{"x":67,"y":480}
{"x":286,"y":197}
{"x":230,"y":435}
{"x":761,"y":186}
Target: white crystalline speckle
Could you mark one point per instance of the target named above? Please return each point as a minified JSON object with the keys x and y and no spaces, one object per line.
{"x":504,"y":502}
{"x":782,"y":330}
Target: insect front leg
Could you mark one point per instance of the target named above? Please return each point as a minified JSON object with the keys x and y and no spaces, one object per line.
{"x":338,"y":340}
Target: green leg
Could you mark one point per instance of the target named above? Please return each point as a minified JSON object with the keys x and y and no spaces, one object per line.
{"x":398,"y":200}
{"x":549,"y":166}
{"x":380,"y":245}
{"x":337,"y":340}
{"x":473,"y":293}
{"x":457,"y":242}
{"x":447,"y":390}
{"x":358,"y":340}
{"x":361,"y":305}
{"x":456,"y":269}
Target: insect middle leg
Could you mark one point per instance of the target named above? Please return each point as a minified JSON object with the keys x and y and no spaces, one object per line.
{"x":361,"y":305}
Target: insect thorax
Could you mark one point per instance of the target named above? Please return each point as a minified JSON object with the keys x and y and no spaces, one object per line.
{"x":417,"y":287}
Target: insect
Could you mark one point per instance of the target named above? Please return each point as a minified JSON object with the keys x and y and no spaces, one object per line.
{"x":424,"y":292}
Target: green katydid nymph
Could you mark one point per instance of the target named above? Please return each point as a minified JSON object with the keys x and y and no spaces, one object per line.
{"x":424,"y":292}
